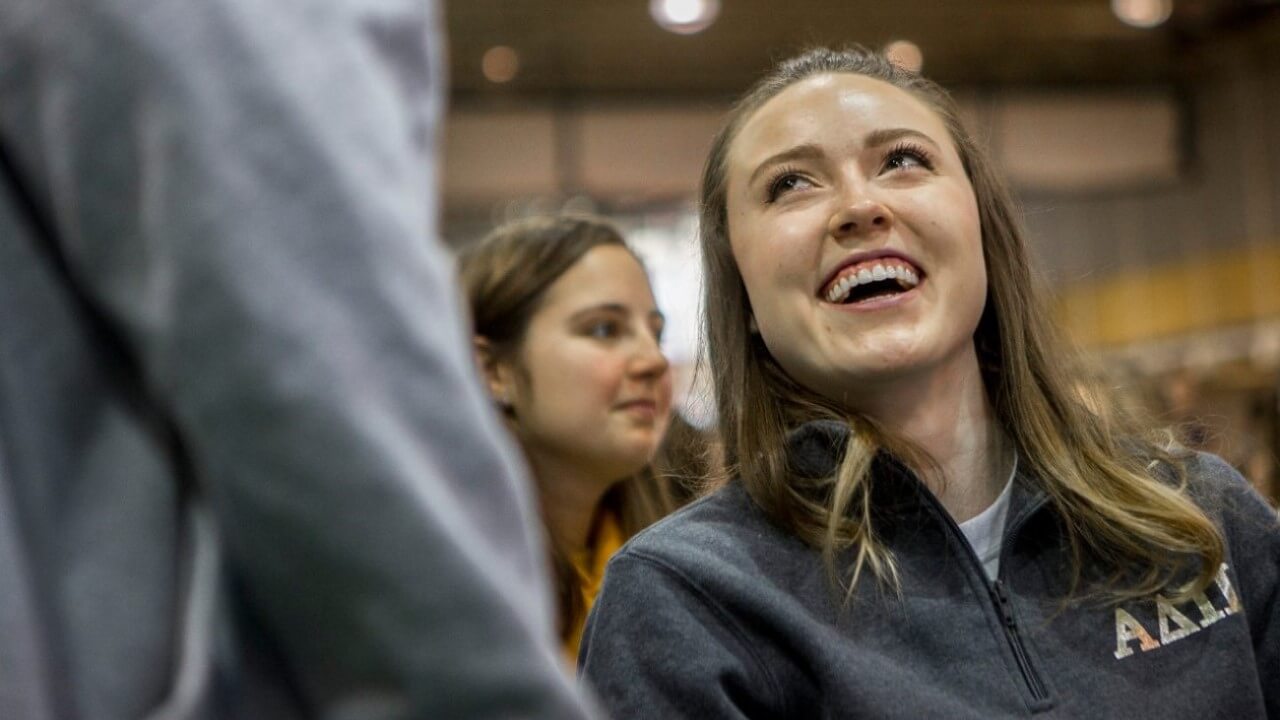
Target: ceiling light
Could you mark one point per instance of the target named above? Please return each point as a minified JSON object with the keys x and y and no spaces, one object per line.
{"x":500,"y":64}
{"x":685,"y":17}
{"x":905,"y":54}
{"x":1142,"y":13}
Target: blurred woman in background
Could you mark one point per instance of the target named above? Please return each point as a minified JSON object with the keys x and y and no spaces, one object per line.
{"x":927,"y":517}
{"x":567,"y":333}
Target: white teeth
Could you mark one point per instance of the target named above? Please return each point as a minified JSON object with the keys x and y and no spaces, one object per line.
{"x":839,"y":290}
{"x":904,"y":275}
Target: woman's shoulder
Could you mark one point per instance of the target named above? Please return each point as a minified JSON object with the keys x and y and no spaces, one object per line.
{"x":1213,"y":481}
{"x":722,"y":514}
{"x":1210,"y":472}
{"x":724,"y":529}
{"x":1229,"y":497}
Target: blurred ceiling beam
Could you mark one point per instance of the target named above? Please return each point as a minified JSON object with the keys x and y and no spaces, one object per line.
{"x":575,"y":48}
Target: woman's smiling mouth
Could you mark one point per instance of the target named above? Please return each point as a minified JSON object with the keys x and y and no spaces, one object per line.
{"x":866,"y":278}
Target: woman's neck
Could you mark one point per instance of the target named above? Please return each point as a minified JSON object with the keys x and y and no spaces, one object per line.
{"x":569,"y":499}
{"x":946,"y":413}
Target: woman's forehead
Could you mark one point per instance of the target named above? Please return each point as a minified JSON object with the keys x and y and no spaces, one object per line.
{"x":827,"y":108}
{"x":604,"y":275}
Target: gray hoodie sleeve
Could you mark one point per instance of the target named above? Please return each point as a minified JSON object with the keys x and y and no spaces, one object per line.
{"x":248,"y":189}
{"x":1253,"y":538}
{"x":656,"y":646}
{"x":1262,"y":607}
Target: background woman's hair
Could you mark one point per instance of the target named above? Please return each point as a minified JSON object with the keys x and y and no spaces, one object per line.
{"x":507,"y":273}
{"x":505,"y":277}
{"x":1118,"y":489}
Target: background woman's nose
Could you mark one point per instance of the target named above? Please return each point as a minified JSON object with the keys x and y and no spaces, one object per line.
{"x":648,"y":358}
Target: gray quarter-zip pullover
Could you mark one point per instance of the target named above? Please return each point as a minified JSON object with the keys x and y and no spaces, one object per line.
{"x":718,"y":613}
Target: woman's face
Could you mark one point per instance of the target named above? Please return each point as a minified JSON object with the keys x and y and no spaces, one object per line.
{"x":590,"y":387}
{"x":857,"y":234}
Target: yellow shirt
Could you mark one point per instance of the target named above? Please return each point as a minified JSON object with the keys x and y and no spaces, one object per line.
{"x":590,"y":570}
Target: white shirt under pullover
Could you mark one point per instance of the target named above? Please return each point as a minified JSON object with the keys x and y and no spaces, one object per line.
{"x":985,"y":531}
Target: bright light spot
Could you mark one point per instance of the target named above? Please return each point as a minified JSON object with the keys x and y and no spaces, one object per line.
{"x":683,"y":11}
{"x":500,"y":64}
{"x":1142,"y":13}
{"x":905,"y":54}
{"x":685,"y":17}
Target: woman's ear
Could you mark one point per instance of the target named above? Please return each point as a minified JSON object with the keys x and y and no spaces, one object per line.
{"x":498,"y":375}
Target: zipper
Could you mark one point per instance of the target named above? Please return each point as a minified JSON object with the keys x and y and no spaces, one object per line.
{"x":1014,"y":636}
{"x":996,"y":591}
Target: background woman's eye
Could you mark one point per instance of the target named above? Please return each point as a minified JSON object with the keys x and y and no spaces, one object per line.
{"x":603,"y":330}
{"x":787,"y":183}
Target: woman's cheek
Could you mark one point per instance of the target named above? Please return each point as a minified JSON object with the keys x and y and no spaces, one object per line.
{"x":605,"y":373}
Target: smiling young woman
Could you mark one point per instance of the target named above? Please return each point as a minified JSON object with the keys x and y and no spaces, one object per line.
{"x":925,"y":519}
{"x":567,"y":333}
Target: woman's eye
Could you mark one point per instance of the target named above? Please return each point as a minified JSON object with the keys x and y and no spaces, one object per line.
{"x":907,"y":158}
{"x":786,"y":183}
{"x":604,"y":330}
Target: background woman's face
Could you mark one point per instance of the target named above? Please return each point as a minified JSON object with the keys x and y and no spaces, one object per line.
{"x":591,"y":386}
{"x":857,"y":234}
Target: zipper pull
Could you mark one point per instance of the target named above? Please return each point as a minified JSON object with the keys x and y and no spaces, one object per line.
{"x":1002,"y":601}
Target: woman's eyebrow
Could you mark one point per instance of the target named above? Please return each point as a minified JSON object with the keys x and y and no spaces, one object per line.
{"x":805,"y":151}
{"x":809,"y":151}
{"x":613,"y":308}
{"x":885,"y":136}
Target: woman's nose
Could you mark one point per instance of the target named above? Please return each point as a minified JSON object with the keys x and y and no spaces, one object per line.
{"x":860,"y":218}
{"x":648,"y":360}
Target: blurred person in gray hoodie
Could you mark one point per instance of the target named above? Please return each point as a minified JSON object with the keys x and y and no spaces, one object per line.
{"x":245,"y":469}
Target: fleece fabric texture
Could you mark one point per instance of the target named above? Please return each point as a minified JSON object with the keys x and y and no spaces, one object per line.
{"x":716,"y":612}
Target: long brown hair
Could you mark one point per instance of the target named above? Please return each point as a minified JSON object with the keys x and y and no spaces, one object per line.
{"x":1120,"y":491}
{"x":505,"y":276}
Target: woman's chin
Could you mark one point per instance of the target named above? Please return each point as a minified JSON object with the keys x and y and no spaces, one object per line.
{"x":627,"y":461}
{"x":863,"y":377}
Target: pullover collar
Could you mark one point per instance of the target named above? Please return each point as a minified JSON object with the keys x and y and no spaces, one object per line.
{"x":815,"y":449}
